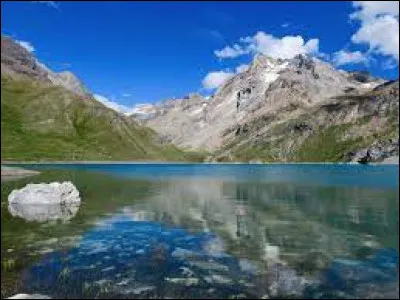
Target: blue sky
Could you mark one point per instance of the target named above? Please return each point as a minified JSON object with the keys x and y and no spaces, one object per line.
{"x":135,"y":52}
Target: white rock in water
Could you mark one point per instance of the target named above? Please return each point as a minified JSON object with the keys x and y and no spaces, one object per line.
{"x":43,"y":202}
{"x":45,"y":193}
{"x":27,"y":296}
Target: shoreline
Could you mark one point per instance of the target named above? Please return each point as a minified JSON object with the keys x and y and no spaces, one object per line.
{"x":11,"y":173}
{"x":388,"y":161}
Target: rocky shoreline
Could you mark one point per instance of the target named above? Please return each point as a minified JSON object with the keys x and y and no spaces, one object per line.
{"x":11,"y":173}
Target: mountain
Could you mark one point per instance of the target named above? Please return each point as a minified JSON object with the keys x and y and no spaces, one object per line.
{"x":52,"y":116}
{"x":17,"y":61}
{"x":300,"y":109}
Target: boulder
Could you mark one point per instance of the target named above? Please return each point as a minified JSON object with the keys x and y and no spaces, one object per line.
{"x":45,"y":193}
{"x":44,"y":202}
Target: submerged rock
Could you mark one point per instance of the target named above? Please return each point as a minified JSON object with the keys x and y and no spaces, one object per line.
{"x":183,"y":281}
{"x":283,"y":281}
{"x":44,"y":202}
{"x":374,"y":278}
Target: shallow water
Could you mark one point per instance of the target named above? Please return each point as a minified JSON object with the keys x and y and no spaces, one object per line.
{"x":206,"y":231}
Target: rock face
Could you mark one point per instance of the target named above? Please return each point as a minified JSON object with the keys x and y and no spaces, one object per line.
{"x":44,"y":202}
{"x":267,"y":87}
{"x":16,"y":60}
{"x":378,"y":151}
{"x":276,"y":110}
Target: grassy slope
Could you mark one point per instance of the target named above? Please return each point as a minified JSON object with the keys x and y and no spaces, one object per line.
{"x":43,"y":122}
{"x":324,"y":144}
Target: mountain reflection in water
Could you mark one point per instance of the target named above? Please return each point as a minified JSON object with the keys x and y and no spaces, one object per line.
{"x":216,"y":238}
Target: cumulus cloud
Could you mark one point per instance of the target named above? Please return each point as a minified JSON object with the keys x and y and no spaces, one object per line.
{"x":214,"y":80}
{"x":27,"y":45}
{"x":231,"y":52}
{"x":369,"y":10}
{"x":343,"y":57}
{"x":379,"y":26}
{"x":113,"y":105}
{"x":53,"y":4}
{"x":382,"y":35}
{"x":285,"y":47}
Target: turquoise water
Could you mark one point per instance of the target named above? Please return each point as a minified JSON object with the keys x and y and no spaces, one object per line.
{"x":323,"y":174}
{"x":211,"y":231}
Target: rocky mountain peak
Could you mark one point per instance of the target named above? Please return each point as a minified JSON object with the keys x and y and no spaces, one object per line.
{"x":268,"y":87}
{"x":17,"y":61}
{"x":262,"y":61}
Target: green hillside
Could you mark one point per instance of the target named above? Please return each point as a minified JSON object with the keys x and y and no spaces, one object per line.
{"x":40,"y":121}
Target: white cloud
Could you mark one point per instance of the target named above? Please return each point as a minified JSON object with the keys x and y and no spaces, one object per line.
{"x":113,"y":105}
{"x":53,"y":4}
{"x":27,"y":45}
{"x":214,"y":80}
{"x":369,"y":10}
{"x":242,"y":68}
{"x":285,"y":47}
{"x":285,"y":25}
{"x":126,"y":95}
{"x":382,"y":35}
{"x":312,"y":46}
{"x":231,"y":52}
{"x":379,"y":26}
{"x":343,"y":57}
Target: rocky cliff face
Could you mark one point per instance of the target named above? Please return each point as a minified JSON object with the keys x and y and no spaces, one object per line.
{"x":275,"y":108}
{"x":17,"y":61}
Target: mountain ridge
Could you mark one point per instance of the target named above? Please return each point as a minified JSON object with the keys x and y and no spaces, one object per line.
{"x":269,"y":94}
{"x":43,"y":119}
{"x":291,"y":110}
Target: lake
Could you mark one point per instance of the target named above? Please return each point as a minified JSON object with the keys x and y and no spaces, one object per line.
{"x":207,"y":231}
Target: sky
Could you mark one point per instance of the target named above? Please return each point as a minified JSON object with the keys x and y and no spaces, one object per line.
{"x":129,"y":53}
